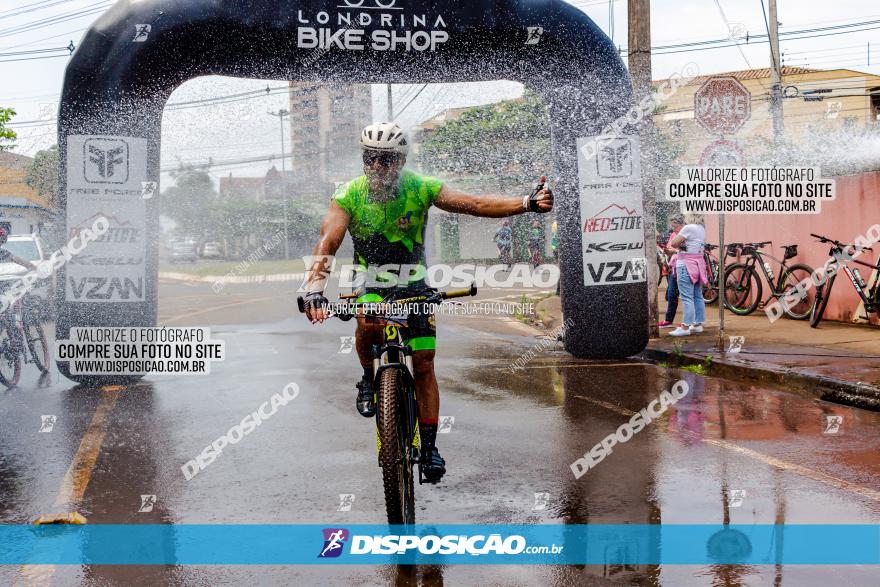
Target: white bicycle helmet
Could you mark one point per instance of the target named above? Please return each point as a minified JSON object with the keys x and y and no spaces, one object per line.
{"x":385,"y":136}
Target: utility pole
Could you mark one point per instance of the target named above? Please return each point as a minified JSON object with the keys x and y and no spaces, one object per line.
{"x":281,"y":114}
{"x":640,"y":73}
{"x":390,"y":117}
{"x":776,"y":74}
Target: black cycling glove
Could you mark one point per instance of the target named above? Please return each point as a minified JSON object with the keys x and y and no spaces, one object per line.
{"x":530,"y":203}
{"x":315,"y":301}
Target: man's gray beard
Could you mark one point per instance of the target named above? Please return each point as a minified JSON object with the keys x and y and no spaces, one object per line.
{"x":385,"y":194}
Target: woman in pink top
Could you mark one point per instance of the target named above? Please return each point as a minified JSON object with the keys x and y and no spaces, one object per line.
{"x":691,"y":274}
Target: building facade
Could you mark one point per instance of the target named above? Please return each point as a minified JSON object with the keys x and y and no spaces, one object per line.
{"x":816,"y":103}
{"x":325,"y":125}
{"x":22,"y":209}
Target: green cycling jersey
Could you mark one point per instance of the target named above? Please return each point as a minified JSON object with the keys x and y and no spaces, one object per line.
{"x":390,"y":232}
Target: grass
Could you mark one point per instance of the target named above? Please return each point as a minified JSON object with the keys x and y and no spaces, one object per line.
{"x":531,"y":319}
{"x":677,"y":357}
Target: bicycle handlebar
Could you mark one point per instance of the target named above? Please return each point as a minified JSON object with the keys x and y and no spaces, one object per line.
{"x":431,"y":299}
{"x":836,"y":243}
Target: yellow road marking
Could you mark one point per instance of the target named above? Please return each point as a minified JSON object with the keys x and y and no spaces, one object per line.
{"x":77,"y":478}
{"x":761,"y":457}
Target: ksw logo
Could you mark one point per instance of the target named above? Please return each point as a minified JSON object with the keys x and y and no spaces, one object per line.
{"x":334,"y":541}
{"x":103,"y":288}
{"x":606,"y":247}
{"x":616,"y":271}
{"x":106,"y":161}
{"x":615,"y":159}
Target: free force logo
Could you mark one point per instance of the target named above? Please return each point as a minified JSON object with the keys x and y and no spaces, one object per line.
{"x":106,"y":161}
{"x":334,"y":541}
{"x":615,"y":159}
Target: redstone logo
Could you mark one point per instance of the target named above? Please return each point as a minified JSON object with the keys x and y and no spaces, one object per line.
{"x":600,"y":223}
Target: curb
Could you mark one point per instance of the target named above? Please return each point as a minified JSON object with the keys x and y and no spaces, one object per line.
{"x":859,"y":395}
{"x":222,"y":279}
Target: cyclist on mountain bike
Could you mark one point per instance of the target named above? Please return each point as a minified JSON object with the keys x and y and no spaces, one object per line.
{"x":504,"y":240}
{"x":536,"y":243}
{"x":385,"y":212}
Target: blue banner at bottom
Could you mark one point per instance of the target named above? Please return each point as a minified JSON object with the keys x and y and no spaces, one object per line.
{"x":136,"y":544}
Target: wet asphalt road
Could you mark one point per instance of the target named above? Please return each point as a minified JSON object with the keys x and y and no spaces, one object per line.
{"x":513,"y":436}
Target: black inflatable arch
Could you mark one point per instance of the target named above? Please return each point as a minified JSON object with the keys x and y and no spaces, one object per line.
{"x":121,"y":76}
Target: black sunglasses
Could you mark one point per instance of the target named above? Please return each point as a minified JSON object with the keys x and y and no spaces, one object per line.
{"x":383,"y":157}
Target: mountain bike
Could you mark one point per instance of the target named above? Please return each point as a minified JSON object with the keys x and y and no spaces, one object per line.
{"x":710,"y":290}
{"x":504,"y":253}
{"x":21,"y":337}
{"x":743,"y":290}
{"x":870,"y":295}
{"x":397,"y":413}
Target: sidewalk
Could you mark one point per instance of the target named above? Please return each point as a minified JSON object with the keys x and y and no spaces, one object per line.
{"x":838,"y":362}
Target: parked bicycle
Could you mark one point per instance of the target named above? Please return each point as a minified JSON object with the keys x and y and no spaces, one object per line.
{"x":397,"y":413}
{"x":870,"y":295}
{"x":743,"y":289}
{"x":710,"y":290}
{"x":21,"y":338}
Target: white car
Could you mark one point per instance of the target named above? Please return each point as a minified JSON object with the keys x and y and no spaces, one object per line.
{"x":212,"y":251}
{"x":32,"y":248}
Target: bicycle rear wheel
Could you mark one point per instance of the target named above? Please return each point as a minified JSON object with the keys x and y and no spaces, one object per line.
{"x":742,"y":289}
{"x":36,"y":342}
{"x":395,"y":450}
{"x":710,"y":290}
{"x":793,"y":276}
{"x":10,"y":357}
{"x":823,"y":293}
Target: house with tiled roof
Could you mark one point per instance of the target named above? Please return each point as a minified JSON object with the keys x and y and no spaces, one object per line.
{"x":814,"y":101}
{"x":22,"y":209}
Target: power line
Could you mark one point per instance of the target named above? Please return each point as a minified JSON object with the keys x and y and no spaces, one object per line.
{"x":88,"y":10}
{"x":402,"y":110}
{"x":26,"y":9}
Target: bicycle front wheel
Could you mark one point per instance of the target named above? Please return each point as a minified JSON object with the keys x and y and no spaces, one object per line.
{"x":36,"y":342}
{"x":742,"y":289}
{"x":395,"y":449}
{"x":804,"y":306}
{"x":823,"y":293}
{"x":10,"y":357}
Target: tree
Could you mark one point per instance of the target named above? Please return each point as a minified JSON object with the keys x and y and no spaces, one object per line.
{"x":508,"y":142}
{"x":7,"y":135}
{"x":42,"y":175}
{"x":188,"y":201}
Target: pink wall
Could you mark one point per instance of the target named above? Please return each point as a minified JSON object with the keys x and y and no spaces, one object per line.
{"x":856,"y":208}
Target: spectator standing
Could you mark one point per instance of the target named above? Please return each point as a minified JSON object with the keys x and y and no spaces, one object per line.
{"x":691,"y":274}
{"x":677,"y":222}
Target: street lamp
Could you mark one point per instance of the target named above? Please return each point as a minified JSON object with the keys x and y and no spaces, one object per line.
{"x":281,"y":114}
